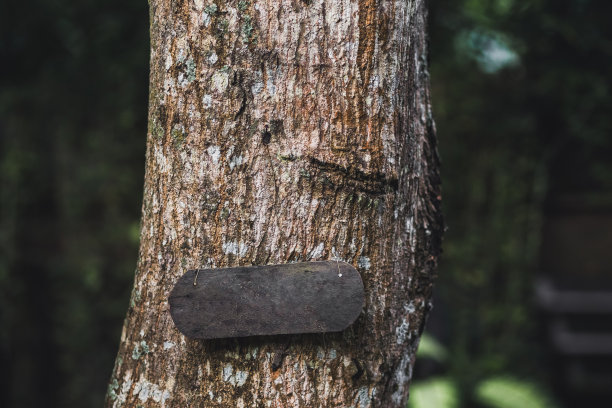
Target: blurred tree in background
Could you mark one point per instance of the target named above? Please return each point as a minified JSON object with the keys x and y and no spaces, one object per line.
{"x":522,"y":105}
{"x":73,"y":101}
{"x":521,"y":97}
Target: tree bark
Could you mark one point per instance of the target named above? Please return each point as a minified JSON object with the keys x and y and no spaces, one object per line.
{"x":284,"y":131}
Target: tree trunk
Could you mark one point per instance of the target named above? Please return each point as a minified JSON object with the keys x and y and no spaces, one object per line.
{"x":284,"y":131}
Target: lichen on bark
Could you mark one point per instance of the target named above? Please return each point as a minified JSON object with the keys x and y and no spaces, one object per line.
{"x":285,"y":131}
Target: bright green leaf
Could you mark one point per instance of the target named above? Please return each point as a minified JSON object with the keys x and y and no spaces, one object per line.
{"x":506,"y":392}
{"x":438,"y":393}
{"x":429,"y":347}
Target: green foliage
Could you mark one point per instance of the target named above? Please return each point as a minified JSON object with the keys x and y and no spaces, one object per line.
{"x":497,"y":392}
{"x":507,"y":392}
{"x":429,"y":347}
{"x":437,"y":392}
{"x":490,"y":392}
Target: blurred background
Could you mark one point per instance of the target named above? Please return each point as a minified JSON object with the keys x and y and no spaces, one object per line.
{"x":521,"y":97}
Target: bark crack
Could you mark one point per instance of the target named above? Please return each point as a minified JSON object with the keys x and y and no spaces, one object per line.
{"x":279,"y":356}
{"x":374,"y":183}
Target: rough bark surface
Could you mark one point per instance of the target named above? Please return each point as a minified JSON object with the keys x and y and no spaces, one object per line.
{"x":282,"y":131}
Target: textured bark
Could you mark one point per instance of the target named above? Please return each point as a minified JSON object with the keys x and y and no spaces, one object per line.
{"x":285,"y":131}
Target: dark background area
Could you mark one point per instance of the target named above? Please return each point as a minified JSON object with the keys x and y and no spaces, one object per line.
{"x":521,"y":98}
{"x":521,"y":94}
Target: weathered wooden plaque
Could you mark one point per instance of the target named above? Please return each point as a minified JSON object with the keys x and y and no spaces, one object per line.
{"x":308,"y":297}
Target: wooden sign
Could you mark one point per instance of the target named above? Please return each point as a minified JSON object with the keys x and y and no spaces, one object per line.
{"x":308,"y":297}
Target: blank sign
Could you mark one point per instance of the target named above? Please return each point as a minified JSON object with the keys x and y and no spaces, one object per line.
{"x":308,"y":297}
